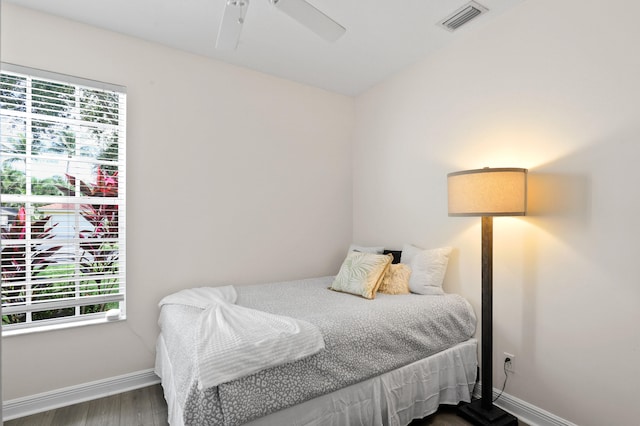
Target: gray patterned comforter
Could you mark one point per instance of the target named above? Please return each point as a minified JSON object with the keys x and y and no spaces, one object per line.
{"x":363,"y":338}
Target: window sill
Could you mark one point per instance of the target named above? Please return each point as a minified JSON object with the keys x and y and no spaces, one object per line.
{"x":102,"y":319}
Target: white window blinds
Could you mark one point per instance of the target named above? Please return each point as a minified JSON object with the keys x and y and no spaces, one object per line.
{"x":62,"y":198}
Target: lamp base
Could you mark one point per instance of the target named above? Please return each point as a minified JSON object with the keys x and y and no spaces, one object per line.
{"x":479,"y":416}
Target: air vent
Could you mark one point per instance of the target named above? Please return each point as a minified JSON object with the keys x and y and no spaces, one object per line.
{"x":463,"y":15}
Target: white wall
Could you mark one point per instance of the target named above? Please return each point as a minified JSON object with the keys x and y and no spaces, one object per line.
{"x":553,"y":87}
{"x":234,"y":177}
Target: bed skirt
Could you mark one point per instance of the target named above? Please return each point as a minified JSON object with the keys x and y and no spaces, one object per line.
{"x":393,"y":398}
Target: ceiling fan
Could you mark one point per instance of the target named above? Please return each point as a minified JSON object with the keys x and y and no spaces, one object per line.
{"x":300,"y":10}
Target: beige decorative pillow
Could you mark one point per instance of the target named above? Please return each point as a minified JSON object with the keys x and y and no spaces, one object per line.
{"x":396,"y":280}
{"x":361,"y":274}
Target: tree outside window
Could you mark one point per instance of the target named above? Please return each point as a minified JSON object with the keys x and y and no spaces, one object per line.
{"x":62,"y":182}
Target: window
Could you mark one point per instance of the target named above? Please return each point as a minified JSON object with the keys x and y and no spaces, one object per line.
{"x":62,"y":199}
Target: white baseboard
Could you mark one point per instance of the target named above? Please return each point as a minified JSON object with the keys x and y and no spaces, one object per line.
{"x":26,"y":406}
{"x":21,"y":407}
{"x":528,"y":413}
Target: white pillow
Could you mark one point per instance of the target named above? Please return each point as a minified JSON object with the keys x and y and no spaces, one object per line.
{"x":428,"y":268}
{"x":363,"y":249}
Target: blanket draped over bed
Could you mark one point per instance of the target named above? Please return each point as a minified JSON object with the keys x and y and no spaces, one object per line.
{"x":234,"y":341}
{"x":363,"y":338}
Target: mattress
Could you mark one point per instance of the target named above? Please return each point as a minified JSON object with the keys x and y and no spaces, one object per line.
{"x":393,"y":398}
{"x":365,"y":340}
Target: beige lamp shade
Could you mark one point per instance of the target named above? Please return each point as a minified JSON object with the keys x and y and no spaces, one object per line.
{"x":488,"y":192}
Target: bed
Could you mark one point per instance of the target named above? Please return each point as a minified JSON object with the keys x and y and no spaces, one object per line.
{"x":384,"y":361}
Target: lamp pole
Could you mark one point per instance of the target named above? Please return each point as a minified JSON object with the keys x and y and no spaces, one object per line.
{"x":487,"y":312}
{"x":482,"y":412}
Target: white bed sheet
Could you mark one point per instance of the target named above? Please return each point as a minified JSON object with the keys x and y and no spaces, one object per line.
{"x":394,"y":398}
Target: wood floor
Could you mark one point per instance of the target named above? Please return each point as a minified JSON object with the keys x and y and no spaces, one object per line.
{"x":147,"y":407}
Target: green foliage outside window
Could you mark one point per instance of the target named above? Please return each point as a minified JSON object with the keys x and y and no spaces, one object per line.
{"x":61,"y":141}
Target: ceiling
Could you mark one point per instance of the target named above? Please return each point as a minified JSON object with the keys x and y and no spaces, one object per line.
{"x":383,"y":36}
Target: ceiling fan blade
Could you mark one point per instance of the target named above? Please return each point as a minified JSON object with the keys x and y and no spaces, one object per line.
{"x":311,"y":18}
{"x":231,"y":24}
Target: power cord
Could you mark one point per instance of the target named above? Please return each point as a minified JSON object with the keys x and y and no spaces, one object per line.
{"x":506,"y":376}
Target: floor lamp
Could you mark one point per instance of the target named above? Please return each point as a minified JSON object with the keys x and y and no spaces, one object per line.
{"x":487,"y":193}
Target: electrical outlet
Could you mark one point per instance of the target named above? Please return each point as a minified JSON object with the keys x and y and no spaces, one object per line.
{"x":510,"y":365}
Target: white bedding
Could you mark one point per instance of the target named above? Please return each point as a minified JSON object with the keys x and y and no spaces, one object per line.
{"x":235,"y":341}
{"x":394,"y":398}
